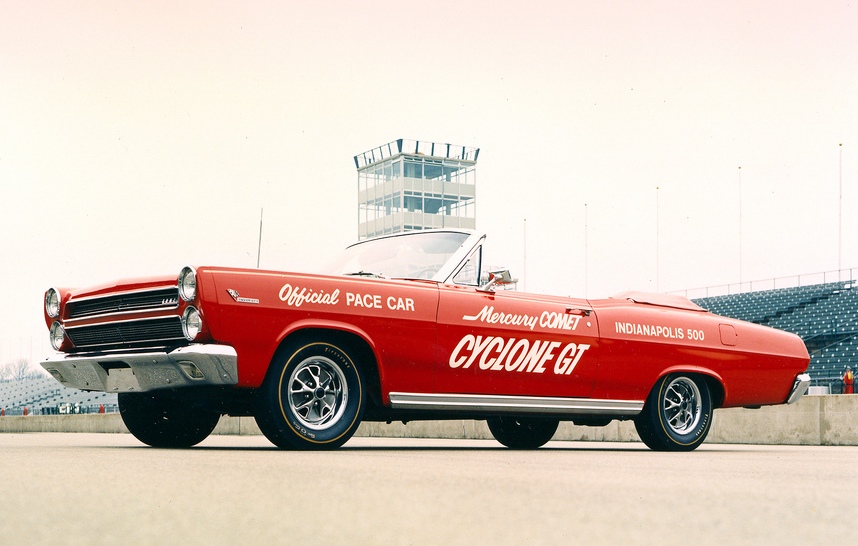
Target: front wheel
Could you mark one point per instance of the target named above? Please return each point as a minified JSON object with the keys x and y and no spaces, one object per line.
{"x":162,"y":421}
{"x":522,"y":432}
{"x":677,"y":414}
{"x":313,"y":398}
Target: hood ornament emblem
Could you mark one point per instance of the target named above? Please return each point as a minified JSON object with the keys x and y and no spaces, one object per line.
{"x":235,"y":296}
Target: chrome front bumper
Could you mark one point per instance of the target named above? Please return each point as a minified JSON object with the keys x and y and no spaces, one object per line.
{"x":194,"y":365}
{"x":802,"y":382}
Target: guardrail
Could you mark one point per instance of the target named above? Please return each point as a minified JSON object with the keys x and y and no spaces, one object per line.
{"x":61,"y":409}
{"x":808,"y":279}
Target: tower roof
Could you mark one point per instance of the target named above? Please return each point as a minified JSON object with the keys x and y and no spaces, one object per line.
{"x":404,"y":146}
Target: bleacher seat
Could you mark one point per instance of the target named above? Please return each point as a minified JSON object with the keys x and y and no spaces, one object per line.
{"x":42,"y":394}
{"x":825,"y":316}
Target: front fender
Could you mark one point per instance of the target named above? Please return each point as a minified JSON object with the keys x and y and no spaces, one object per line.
{"x":315,"y":325}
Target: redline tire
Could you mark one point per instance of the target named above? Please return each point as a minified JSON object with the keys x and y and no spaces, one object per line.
{"x":677,"y":414}
{"x":163,"y":421}
{"x":522,"y":432}
{"x":314,"y":398}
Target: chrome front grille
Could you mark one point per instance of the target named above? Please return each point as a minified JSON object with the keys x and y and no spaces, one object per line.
{"x":158,"y":299}
{"x":132,"y":333}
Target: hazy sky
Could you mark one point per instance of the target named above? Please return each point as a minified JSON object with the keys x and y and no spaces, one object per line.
{"x":136,"y":138}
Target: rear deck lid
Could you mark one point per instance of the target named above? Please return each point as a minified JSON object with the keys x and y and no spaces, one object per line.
{"x":664,"y":300}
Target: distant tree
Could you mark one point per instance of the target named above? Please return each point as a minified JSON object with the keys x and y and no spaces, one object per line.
{"x":18,"y":370}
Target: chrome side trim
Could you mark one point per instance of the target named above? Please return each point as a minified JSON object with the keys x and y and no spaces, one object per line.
{"x":802,"y":382}
{"x":485,"y":403}
{"x":194,"y":365}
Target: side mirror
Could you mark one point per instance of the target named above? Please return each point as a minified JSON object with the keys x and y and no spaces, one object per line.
{"x":497,"y":278}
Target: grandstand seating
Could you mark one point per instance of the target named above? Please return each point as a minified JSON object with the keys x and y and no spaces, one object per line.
{"x":44,"y":395}
{"x":825,"y":316}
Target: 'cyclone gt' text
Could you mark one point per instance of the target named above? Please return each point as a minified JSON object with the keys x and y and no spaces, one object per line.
{"x":516,"y":355}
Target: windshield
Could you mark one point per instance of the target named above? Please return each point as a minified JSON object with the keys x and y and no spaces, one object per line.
{"x":418,"y":255}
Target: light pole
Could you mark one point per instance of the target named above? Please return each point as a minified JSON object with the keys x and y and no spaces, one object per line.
{"x":740,"y":228}
{"x":259,"y":247}
{"x":657,"y":239}
{"x":840,"y":213}
{"x":586,"y":264}
{"x":524,"y":277}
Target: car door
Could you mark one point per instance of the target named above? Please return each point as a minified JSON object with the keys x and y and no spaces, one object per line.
{"x":509,"y":343}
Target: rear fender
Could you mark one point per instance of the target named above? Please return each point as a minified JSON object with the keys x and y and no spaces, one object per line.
{"x":714,"y":381}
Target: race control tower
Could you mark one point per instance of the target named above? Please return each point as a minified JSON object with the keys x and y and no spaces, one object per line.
{"x":409,"y":185}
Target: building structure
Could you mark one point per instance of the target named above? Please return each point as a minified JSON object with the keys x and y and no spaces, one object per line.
{"x":408,"y":185}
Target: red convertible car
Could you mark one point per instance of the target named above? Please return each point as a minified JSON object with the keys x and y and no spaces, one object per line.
{"x":408,"y":327}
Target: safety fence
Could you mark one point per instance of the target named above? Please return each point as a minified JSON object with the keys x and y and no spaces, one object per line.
{"x":60,"y":409}
{"x":847,"y":276}
{"x":833,"y":384}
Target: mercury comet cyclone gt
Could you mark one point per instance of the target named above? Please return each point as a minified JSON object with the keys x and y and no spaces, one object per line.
{"x":408,"y":327}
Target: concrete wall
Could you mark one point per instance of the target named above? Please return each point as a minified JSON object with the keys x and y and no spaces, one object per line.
{"x":813,"y":420}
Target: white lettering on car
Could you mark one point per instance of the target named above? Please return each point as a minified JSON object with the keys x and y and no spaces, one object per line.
{"x":374,"y":301}
{"x":400,"y":304}
{"x":363,"y":300}
{"x":548,"y":319}
{"x":296,"y":296}
{"x":488,"y":315}
{"x":569,"y":358}
{"x":516,"y":355}
{"x":558,"y":321}
{"x":656,"y":331}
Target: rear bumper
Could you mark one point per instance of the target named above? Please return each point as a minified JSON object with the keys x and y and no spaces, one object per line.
{"x":194,"y":365}
{"x":802,"y":382}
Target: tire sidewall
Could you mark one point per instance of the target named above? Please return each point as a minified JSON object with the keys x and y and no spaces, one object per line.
{"x":522,"y":433}
{"x":290,"y":425}
{"x":690,"y":440}
{"x":162,"y":421}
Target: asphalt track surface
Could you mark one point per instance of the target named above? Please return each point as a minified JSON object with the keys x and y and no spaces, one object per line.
{"x":110,"y":489}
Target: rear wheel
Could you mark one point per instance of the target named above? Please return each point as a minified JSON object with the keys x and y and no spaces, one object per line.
{"x":677,"y":414}
{"x":162,"y":421}
{"x":522,"y":432}
{"x":313,"y":398}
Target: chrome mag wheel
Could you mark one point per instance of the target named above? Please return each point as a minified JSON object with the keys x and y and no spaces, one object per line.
{"x":677,"y":414}
{"x":318,"y":392}
{"x":313,"y":397}
{"x":682,"y":405}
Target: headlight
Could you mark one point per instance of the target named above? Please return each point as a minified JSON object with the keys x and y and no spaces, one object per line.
{"x":58,"y":335}
{"x":192,"y":323}
{"x":188,"y":284}
{"x":52,"y":302}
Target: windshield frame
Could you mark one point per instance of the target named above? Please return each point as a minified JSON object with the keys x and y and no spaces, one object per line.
{"x":444,"y":275}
